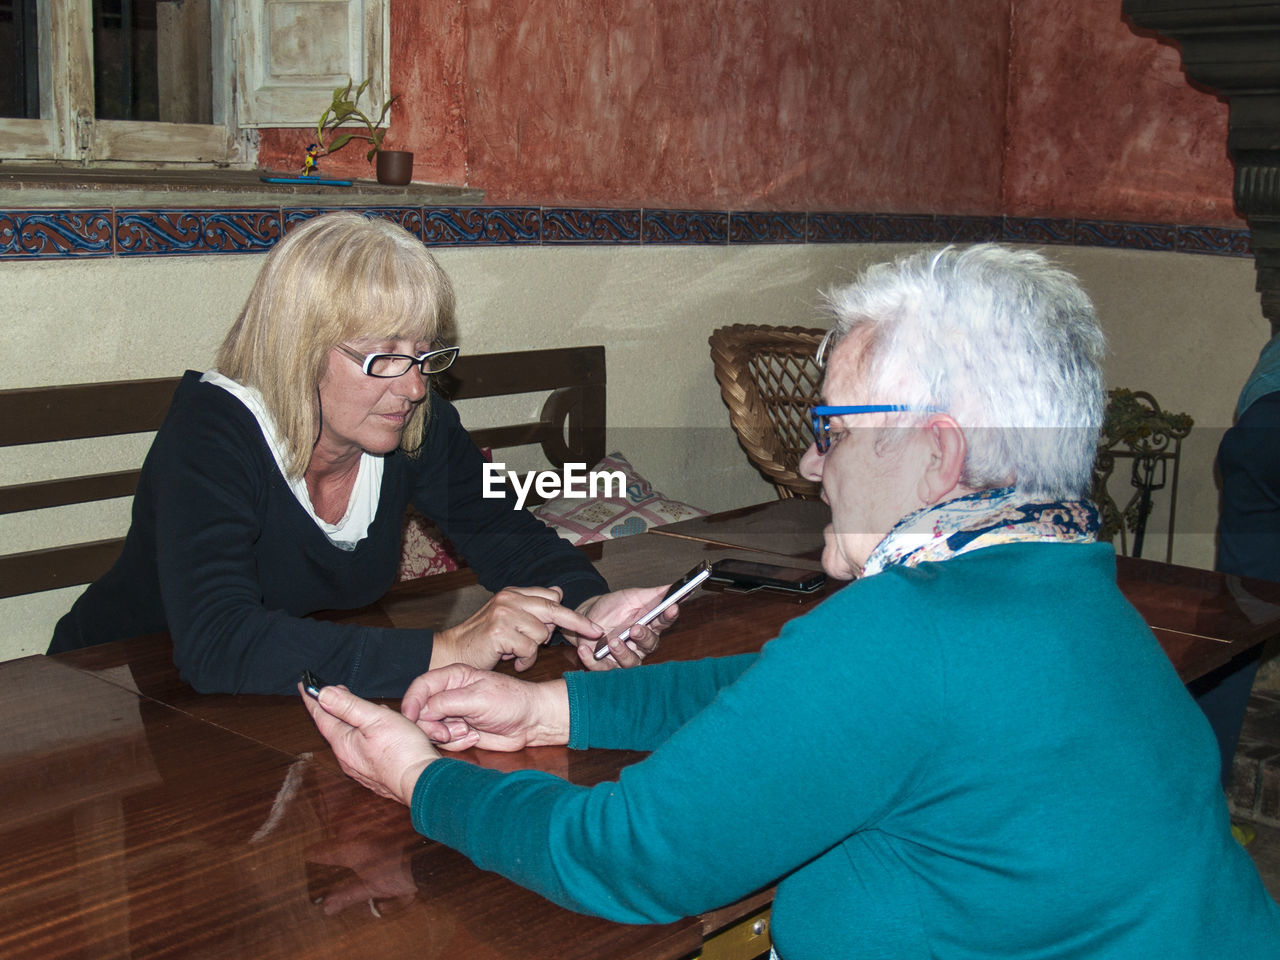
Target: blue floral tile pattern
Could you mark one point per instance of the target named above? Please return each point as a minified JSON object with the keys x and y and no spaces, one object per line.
{"x":1038,"y":230}
{"x":571,"y":225}
{"x":407,"y":218}
{"x":1132,"y":236}
{"x":410,"y":218}
{"x":685,"y":226}
{"x":297,"y":216}
{"x":905,"y":228}
{"x":457,"y":226}
{"x":40,"y":234}
{"x":839,"y":227}
{"x":962,"y":229}
{"x":1221,"y":240}
{"x":160,"y":232}
{"x":31,"y":234}
{"x":773,"y":227}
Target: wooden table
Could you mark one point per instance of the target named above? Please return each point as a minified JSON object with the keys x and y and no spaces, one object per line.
{"x":140,"y":819}
{"x":1202,"y":619}
{"x":791,"y":527}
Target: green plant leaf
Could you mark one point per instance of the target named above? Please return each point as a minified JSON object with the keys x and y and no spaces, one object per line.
{"x":386,"y":107}
{"x":345,"y":109}
{"x":340,"y":142}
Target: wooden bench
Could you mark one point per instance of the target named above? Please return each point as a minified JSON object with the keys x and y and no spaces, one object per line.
{"x":569,"y":428}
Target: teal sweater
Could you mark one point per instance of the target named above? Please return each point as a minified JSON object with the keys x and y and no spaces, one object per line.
{"x":986,"y":757}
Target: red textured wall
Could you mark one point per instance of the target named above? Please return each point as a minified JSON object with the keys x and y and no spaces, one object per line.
{"x":1025,"y":107}
{"x":1103,"y":123}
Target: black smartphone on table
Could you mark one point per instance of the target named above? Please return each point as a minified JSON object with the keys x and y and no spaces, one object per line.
{"x":753,"y":574}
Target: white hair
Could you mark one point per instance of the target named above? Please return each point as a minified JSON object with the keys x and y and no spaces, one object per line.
{"x":1000,"y":339}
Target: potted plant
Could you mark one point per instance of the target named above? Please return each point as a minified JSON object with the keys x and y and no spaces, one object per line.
{"x":393,"y":166}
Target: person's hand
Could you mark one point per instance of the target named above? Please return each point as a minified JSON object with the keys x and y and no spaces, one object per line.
{"x":460,"y":707}
{"x":616,"y":611}
{"x":512,"y":625}
{"x":374,"y":745}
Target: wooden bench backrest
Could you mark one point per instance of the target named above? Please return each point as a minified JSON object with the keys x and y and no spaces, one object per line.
{"x":570,"y":428}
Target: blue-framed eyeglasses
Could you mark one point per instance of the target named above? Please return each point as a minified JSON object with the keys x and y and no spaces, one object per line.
{"x":388,"y":365}
{"x":821,"y":417}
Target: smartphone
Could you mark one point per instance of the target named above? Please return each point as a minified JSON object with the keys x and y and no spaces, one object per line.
{"x":751,"y":574}
{"x":312,"y":684}
{"x":678,"y":591}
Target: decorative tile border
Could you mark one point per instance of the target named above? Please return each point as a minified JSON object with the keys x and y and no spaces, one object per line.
{"x":766,"y":227}
{"x":475,"y":226}
{"x":840,"y":227}
{"x":1232,"y":243}
{"x":62,"y":234}
{"x":573,"y":225}
{"x":1131,"y":236}
{"x":168,"y":232}
{"x":49,"y":234}
{"x":1038,"y":230}
{"x":684,"y":226}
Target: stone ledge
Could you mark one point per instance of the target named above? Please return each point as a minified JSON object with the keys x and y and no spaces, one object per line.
{"x":1255,"y":786}
{"x":61,"y":187}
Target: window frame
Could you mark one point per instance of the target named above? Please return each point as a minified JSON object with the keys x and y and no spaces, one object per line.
{"x":67,"y":130}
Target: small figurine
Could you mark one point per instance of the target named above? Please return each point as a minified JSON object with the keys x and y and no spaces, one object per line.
{"x":309,"y":161}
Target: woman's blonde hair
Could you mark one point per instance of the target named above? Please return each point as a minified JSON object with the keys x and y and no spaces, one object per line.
{"x":336,"y":278}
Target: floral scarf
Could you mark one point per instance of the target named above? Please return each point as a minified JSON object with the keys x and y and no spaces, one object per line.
{"x":982,"y":519}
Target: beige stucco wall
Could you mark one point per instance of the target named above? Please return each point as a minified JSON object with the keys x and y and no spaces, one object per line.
{"x":1187,"y":328}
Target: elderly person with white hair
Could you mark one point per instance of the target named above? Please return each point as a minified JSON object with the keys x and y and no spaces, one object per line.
{"x":977,"y":749}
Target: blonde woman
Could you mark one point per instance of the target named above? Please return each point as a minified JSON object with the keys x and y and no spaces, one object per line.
{"x":278,"y":482}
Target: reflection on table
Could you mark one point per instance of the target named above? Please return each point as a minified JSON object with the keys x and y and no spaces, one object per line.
{"x":140,"y":819}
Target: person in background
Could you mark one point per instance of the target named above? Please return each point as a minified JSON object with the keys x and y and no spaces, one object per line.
{"x":976,"y":749}
{"x":1248,"y":535}
{"x":277,"y":486}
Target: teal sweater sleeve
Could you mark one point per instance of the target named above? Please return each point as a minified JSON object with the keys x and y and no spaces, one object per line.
{"x":639,"y":850}
{"x":640,"y":709}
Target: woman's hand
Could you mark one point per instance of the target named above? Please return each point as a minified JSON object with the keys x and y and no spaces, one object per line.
{"x":614,"y":612}
{"x":375,"y":746}
{"x":512,"y":625}
{"x":460,"y":707}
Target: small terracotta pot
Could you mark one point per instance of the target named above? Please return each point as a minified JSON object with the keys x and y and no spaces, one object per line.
{"x":395,"y":167}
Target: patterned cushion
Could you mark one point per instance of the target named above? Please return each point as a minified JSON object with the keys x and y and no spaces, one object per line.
{"x":603,"y":518}
{"x":424,"y":550}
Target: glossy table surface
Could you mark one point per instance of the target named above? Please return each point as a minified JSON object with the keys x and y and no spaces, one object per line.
{"x":140,"y":819}
{"x":1202,"y":619}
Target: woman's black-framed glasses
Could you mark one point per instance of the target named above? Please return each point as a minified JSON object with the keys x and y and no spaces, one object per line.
{"x":821,"y":418}
{"x":389,"y":365}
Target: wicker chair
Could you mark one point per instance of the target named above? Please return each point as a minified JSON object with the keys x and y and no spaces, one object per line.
{"x":769,"y":379}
